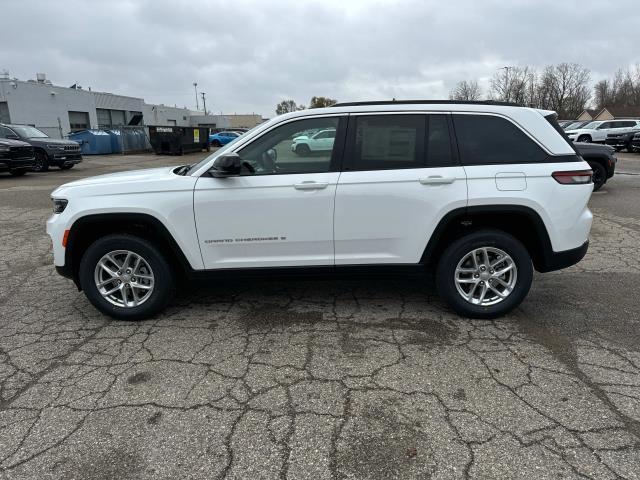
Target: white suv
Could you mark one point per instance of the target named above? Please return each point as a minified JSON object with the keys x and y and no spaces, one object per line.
{"x":477,"y":192}
{"x":597,"y":131}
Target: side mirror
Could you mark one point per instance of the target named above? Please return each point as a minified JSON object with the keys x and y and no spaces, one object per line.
{"x":228,"y":165}
{"x":11,"y":136}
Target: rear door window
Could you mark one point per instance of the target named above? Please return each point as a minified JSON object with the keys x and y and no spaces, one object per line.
{"x":385,"y":142}
{"x":489,"y":139}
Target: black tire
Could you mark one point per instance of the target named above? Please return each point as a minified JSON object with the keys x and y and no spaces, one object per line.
{"x":303,"y":150}
{"x":42,"y":162}
{"x":445,"y":273}
{"x":66,"y":167}
{"x":584,"y":139}
{"x":17,"y":173}
{"x":599,"y":175}
{"x":216,"y":143}
{"x":163,"y":276}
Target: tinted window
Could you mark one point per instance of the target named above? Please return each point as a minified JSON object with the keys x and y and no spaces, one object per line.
{"x":384,"y":142}
{"x":438,"y":142}
{"x":289,"y":149}
{"x":628,"y":124}
{"x":326,"y":134}
{"x":604,"y":125}
{"x":487,"y":139}
{"x":4,"y":131}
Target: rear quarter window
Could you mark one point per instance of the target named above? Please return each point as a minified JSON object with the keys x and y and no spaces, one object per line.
{"x":488,"y":139}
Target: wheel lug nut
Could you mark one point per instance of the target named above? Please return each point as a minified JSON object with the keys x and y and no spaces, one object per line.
{"x":476,"y":275}
{"x":483,"y":268}
{"x":490,"y":271}
{"x":481,"y":283}
{"x":133,"y":279}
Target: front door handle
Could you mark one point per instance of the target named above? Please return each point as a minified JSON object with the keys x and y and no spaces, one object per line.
{"x":437,"y":180}
{"x":310,"y":185}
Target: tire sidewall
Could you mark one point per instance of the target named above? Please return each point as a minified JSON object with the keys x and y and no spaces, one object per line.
{"x":457,"y":250}
{"x":163,"y":278}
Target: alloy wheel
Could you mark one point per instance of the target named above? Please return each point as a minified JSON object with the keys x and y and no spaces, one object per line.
{"x":485,"y":276}
{"x":124,"y":278}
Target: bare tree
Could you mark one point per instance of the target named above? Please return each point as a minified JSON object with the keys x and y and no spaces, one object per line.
{"x":514,"y":84}
{"x":467,"y":91}
{"x":565,"y":89}
{"x":623,"y":90}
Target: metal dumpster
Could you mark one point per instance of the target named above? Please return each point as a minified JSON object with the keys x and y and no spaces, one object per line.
{"x":178,"y":140}
{"x":93,"y":142}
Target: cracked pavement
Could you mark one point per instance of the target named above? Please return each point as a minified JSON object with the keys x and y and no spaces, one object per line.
{"x":354,"y":379}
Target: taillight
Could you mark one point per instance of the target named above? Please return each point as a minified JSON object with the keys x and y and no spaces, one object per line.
{"x":575,"y":177}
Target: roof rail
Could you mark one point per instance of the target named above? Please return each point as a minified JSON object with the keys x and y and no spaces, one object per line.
{"x":428,"y":102}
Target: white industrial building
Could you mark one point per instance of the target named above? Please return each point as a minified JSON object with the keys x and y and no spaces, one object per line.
{"x":59,"y":110}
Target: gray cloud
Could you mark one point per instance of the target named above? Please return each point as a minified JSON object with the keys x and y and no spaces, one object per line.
{"x":248,"y":55}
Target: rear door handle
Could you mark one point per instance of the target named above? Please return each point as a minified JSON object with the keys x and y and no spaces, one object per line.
{"x":437,"y":180}
{"x":310,"y":185}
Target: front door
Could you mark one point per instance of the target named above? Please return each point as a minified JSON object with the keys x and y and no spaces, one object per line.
{"x":279,"y":211}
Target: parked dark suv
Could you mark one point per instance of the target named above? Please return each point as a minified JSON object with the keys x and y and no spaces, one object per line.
{"x":16,"y":157}
{"x":48,"y":151}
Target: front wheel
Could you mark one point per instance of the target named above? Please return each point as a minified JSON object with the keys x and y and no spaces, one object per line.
{"x":42,"y":162}
{"x":126,"y":277}
{"x":484,"y":274}
{"x":584,"y":139}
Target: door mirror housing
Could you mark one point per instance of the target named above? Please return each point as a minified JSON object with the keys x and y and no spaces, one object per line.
{"x":227,"y":165}
{"x":12,"y":136}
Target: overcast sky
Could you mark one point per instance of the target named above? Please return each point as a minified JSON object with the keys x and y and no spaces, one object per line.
{"x":248,"y":55}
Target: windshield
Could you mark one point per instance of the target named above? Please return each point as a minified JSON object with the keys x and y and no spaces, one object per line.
{"x":591,"y":125}
{"x":223,"y":149}
{"x":26,"y":131}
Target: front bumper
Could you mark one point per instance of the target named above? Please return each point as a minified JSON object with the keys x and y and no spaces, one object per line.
{"x":60,"y":158}
{"x":8,"y":164}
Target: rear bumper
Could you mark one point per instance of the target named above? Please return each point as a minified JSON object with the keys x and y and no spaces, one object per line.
{"x":559,"y":260}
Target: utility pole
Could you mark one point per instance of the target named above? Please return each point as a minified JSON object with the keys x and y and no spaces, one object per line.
{"x":195,"y":87}
{"x":204,"y":102}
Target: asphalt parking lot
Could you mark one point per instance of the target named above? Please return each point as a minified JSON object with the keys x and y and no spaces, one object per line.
{"x":368,"y":378}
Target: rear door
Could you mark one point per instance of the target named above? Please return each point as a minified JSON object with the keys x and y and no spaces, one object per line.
{"x":400,"y":176}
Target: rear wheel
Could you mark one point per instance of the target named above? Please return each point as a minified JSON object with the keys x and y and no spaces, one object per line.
{"x":584,"y":139}
{"x":216,"y":143}
{"x":126,"y":277}
{"x":17,"y":173}
{"x":484,"y":274}
{"x":42,"y":162}
{"x":599,"y":175}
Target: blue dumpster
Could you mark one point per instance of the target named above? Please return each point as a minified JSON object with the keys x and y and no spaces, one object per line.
{"x":93,"y":142}
{"x":116,"y":141}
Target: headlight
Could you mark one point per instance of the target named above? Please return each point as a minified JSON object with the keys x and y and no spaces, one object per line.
{"x":59,"y":204}
{"x":56,"y":147}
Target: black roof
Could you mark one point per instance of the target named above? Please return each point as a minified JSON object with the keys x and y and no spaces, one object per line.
{"x":427,"y":102}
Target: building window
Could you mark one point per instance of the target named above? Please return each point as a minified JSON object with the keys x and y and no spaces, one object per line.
{"x":79,"y":121}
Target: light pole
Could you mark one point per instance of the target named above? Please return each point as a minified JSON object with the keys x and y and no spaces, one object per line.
{"x":195,"y":87}
{"x":506,"y":92}
{"x":204,"y":102}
